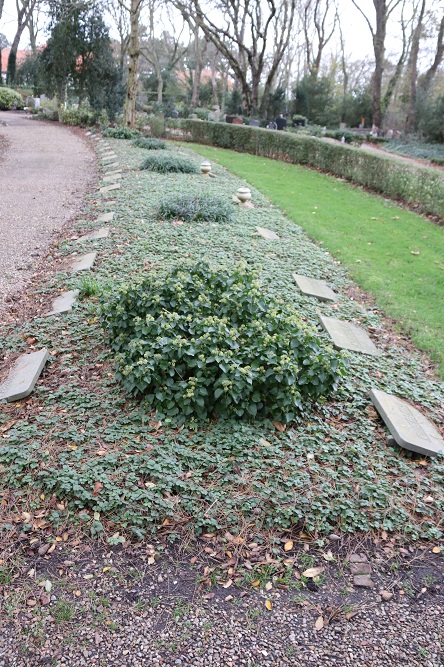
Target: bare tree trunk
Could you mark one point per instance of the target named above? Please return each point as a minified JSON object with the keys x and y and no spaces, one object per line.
{"x":428,"y":77}
{"x":134,"y":54}
{"x":198,"y":56}
{"x":399,"y":65}
{"x":2,"y":2}
{"x":23,"y":15}
{"x":413,"y":71}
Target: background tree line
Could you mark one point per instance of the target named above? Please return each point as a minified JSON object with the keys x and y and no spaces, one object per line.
{"x":258,"y":58}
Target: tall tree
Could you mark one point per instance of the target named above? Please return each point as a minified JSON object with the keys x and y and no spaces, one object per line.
{"x":134,"y":8}
{"x":439,"y":54}
{"x":319,"y":22}
{"x":245,"y":32}
{"x":412,"y":69}
{"x":24,"y":13}
{"x":378,"y":30}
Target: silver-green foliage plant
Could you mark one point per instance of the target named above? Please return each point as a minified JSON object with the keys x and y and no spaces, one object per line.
{"x":165,"y":163}
{"x":120,"y":132}
{"x":200,"y":342}
{"x":10,"y":99}
{"x":196,"y":208}
{"x":150,"y":144}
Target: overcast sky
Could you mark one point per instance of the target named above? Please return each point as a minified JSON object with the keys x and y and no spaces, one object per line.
{"x":356,"y":33}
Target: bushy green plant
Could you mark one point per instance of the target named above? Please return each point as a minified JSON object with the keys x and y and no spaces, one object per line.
{"x":350,"y":137}
{"x":82,"y":116}
{"x":437,"y":160}
{"x":149,"y":144}
{"x":121,"y":132}
{"x":201,"y":341}
{"x":156,"y":124}
{"x":168,"y":163}
{"x":420,"y":186}
{"x":196,"y":208}
{"x":10,"y":99}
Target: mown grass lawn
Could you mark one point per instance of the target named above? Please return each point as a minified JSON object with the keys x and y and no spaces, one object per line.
{"x":394,"y":254}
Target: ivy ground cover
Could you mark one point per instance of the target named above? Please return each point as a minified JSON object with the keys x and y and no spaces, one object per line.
{"x":392,"y":253}
{"x":80,"y":451}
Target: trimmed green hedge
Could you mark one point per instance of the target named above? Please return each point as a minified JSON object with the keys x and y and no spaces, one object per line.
{"x":421,"y":187}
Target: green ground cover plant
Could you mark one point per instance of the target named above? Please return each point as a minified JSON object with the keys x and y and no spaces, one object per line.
{"x":202,"y":341}
{"x":421,"y":187}
{"x":394,"y":254}
{"x":167,"y":163}
{"x":80,"y":453}
{"x":416,"y":149}
{"x":120,"y":132}
{"x":196,"y":208}
{"x":150,"y":144}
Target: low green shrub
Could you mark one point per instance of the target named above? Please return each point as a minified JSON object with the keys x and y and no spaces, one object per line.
{"x":349,"y":137}
{"x":156,"y":124}
{"x":168,"y":163}
{"x":10,"y":99}
{"x":196,"y":208}
{"x":199,"y":342}
{"x":82,"y":116}
{"x":149,"y":144}
{"x":437,"y":160}
{"x":420,"y":186}
{"x":376,"y":140}
{"x":120,"y":132}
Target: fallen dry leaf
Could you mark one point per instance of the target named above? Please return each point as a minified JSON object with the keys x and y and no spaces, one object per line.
{"x":436,"y":550}
{"x":280,"y":427}
{"x":269,"y":605}
{"x":268,"y":586}
{"x":288,"y":546}
{"x":98,"y":486}
{"x":319,"y":623}
{"x":228,"y":583}
{"x":313,"y":572}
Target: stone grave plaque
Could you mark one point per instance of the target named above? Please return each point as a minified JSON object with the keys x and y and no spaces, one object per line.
{"x":110,"y":157}
{"x":110,"y":188}
{"x":106,"y":217}
{"x":112,"y":177}
{"x":101,"y":233}
{"x":110,"y":166}
{"x":88,"y":134}
{"x":409,"y":427}
{"x":313,"y":287}
{"x":64,"y":302}
{"x":23,"y":376}
{"x":83,"y":262}
{"x":267,"y":233}
{"x":348,"y":336}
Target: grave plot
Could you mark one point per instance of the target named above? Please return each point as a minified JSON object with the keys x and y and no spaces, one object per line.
{"x":23,"y":376}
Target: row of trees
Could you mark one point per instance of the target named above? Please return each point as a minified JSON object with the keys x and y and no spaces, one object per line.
{"x":259,"y":55}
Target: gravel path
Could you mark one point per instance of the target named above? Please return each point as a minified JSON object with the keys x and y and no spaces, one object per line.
{"x":45,"y":171}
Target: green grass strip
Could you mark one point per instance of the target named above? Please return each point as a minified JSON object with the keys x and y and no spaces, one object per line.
{"x":376,"y":239}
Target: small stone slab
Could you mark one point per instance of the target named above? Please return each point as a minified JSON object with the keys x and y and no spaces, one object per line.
{"x":101,"y":233}
{"x":348,"y":336}
{"x":363,"y":581}
{"x":88,"y":134}
{"x":267,"y":233}
{"x":409,"y":427}
{"x":23,"y":376}
{"x":112,"y":177}
{"x":110,"y":188}
{"x":313,"y":287}
{"x":64,"y":302}
{"x":115,"y":171}
{"x":106,"y":217}
{"x":83,"y":262}
{"x":112,"y":166}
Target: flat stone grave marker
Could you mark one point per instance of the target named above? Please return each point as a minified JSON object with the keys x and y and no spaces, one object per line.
{"x":101,"y":233}
{"x":88,"y":134}
{"x":106,"y":217}
{"x":267,"y":233}
{"x":115,"y":171}
{"x":83,"y":262}
{"x":348,"y":336}
{"x":23,"y":376}
{"x":314,"y":287}
{"x":64,"y":302}
{"x":409,"y":427}
{"x":110,"y":188}
{"x":112,"y":177}
{"x":109,"y":158}
{"x":110,"y":166}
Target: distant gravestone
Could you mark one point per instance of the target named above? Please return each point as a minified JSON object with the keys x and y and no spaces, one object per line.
{"x":272,"y":125}
{"x":64,"y":302}
{"x":83,"y":262}
{"x":313,"y":287}
{"x":109,"y":157}
{"x":175,"y":114}
{"x":267,"y":233}
{"x":109,"y":188}
{"x":255,"y":123}
{"x":106,"y":217}
{"x":409,"y":427}
{"x":281,"y":122}
{"x":112,"y":165}
{"x":237,"y":121}
{"x":101,"y":233}
{"x":348,"y":336}
{"x":23,"y":376}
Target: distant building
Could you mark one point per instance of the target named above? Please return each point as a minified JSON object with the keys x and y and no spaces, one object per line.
{"x":21,"y":57}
